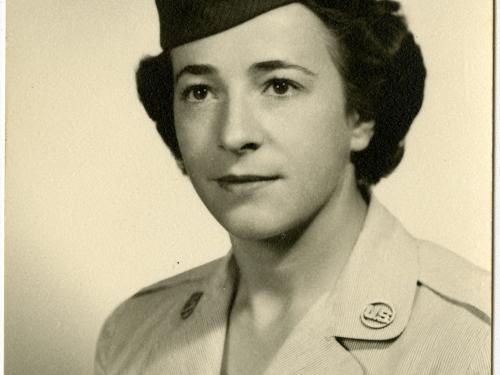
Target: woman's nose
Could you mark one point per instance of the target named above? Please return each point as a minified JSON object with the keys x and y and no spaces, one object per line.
{"x":240,"y":133}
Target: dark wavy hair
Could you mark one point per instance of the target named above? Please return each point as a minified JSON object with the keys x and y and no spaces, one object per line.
{"x":381,"y":66}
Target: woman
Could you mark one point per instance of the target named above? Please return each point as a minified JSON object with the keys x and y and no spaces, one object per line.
{"x":283,"y":114}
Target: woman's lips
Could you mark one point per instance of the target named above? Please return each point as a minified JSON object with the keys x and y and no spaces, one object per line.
{"x":245,"y":183}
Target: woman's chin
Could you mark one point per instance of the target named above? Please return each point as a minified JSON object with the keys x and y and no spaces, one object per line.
{"x":262,"y":228}
{"x":253,"y":228}
{"x":252,"y":231}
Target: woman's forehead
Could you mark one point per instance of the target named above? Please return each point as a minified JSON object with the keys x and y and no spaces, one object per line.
{"x":291,"y":33}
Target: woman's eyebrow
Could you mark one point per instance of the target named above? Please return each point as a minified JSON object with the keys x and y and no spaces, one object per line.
{"x":201,"y":69}
{"x":268,"y":66}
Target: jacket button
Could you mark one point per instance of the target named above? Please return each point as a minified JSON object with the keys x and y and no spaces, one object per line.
{"x":191,"y":304}
{"x":378,"y":315}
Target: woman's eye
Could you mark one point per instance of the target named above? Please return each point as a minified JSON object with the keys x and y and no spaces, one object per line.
{"x":281,"y":87}
{"x":196,"y":93}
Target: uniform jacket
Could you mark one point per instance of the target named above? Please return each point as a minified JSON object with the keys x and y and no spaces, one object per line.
{"x":400,"y":306}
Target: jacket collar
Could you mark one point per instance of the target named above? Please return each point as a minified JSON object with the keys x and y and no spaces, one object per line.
{"x":383,"y":267}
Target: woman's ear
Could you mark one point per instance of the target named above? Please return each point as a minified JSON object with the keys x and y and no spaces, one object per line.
{"x":362,"y":133}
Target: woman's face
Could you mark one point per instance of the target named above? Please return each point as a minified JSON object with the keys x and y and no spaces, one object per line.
{"x":260,"y":118}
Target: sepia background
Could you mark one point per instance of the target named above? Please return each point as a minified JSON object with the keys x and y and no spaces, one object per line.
{"x":95,"y":206}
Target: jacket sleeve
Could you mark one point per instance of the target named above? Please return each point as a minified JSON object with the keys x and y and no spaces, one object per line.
{"x":103,"y":346}
{"x":481,"y":362}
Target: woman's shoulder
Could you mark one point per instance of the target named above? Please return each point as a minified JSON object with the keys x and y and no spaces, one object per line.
{"x":195,"y":275}
{"x":450,"y":324}
{"x":130,"y":325}
{"x":449,"y":278}
{"x":454,"y":280}
{"x":165,"y":293}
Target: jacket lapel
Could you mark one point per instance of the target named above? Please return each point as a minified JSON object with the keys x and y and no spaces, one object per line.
{"x":382,"y":268}
{"x":311,"y":349}
{"x":192,"y":342}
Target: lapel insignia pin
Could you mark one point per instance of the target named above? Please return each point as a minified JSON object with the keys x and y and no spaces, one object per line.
{"x":190,"y":305}
{"x":378,"y":315}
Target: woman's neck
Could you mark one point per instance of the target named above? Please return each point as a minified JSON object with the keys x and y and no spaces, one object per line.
{"x":293,"y":270}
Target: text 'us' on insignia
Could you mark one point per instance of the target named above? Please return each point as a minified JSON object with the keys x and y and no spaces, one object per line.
{"x":378,"y":315}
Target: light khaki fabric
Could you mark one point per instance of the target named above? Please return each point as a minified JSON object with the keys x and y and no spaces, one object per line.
{"x":441,"y":323}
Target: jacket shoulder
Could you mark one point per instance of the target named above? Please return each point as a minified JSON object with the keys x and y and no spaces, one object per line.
{"x":194,"y":275}
{"x":455,"y":279}
{"x":163,"y":294}
{"x":129,"y":326}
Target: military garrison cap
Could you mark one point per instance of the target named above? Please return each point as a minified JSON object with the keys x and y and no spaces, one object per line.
{"x":184,"y":21}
